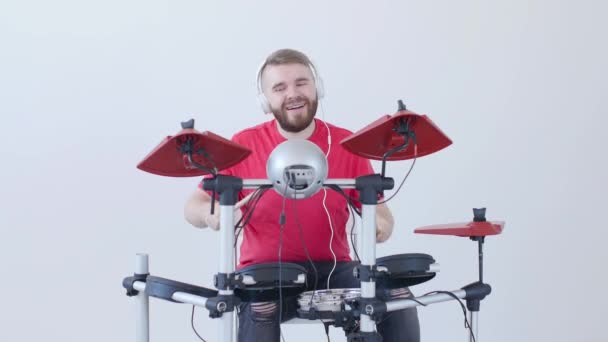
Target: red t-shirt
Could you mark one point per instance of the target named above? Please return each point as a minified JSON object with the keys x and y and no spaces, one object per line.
{"x":261,"y":235}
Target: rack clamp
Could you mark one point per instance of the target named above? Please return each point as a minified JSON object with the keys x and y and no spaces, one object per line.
{"x":221,"y":304}
{"x":223,"y":281}
{"x":372,"y":307}
{"x":128,"y":282}
{"x":367,"y":273}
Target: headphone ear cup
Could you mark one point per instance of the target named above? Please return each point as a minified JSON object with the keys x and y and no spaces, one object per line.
{"x":264,"y":103}
{"x":320,"y":88}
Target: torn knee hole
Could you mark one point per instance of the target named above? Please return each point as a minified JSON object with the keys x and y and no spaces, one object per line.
{"x":399,"y":293}
{"x":264,"y":309}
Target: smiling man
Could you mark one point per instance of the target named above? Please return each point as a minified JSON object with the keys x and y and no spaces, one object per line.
{"x":314,"y":234}
{"x":295,"y":103}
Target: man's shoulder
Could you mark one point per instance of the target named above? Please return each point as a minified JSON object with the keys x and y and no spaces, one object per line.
{"x":338,"y":132}
{"x":252,"y":132}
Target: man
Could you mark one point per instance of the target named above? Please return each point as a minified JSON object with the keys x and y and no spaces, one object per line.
{"x":289,"y":88}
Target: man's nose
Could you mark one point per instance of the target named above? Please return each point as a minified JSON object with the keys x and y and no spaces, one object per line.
{"x":292,"y":93}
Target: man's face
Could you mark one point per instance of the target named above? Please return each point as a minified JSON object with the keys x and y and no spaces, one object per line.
{"x":291,"y":92}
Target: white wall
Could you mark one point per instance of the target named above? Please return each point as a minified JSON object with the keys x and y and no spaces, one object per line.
{"x":87,"y":89}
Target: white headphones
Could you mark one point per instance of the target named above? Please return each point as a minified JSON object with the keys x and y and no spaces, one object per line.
{"x":264,"y":101}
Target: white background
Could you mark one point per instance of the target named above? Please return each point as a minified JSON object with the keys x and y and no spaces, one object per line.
{"x":87,"y":89}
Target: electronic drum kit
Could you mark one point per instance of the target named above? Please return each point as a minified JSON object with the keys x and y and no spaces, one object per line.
{"x":401,"y":136}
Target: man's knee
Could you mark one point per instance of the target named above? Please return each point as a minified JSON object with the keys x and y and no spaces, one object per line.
{"x":394,"y":294}
{"x":264,"y":311}
{"x":400,"y":293}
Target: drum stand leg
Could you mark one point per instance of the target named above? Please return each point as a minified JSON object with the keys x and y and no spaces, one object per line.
{"x":228,"y":187}
{"x":473,"y":304}
{"x":474,"y":332}
{"x":142,"y":319}
{"x":369,"y":187}
{"x":226,"y":266}
{"x":368,"y":257}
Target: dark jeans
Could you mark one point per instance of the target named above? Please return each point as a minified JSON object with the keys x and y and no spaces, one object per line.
{"x":260,"y":321}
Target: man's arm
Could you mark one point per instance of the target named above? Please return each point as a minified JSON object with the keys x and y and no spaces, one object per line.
{"x":197,"y":210}
{"x":384,"y":222}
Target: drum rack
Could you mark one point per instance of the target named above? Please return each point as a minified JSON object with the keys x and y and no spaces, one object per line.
{"x":405,"y":135}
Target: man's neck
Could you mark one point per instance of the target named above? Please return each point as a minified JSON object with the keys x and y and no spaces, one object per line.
{"x":303,"y":134}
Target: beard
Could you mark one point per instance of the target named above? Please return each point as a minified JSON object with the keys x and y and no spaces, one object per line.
{"x":298,"y":123}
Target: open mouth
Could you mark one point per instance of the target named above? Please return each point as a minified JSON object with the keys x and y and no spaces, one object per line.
{"x":296,"y":105}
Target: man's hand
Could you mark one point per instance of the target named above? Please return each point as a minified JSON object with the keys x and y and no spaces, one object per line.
{"x":384,"y":223}
{"x":213,"y":221}
{"x":382,"y":234}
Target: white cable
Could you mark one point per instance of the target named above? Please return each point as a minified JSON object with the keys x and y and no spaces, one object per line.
{"x":331,"y":226}
{"x":328,"y":132}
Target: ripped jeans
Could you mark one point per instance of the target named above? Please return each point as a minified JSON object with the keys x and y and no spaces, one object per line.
{"x":260,"y":321}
